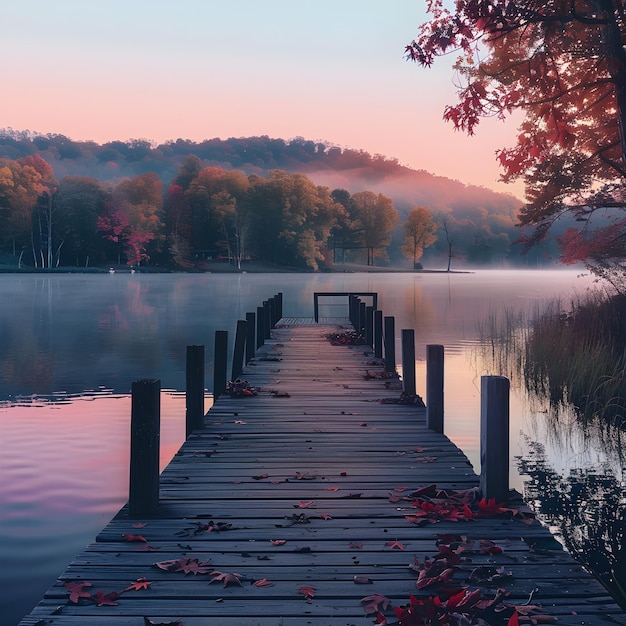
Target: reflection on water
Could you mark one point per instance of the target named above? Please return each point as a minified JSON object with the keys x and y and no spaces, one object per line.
{"x":585,"y":506}
{"x":81,"y":340}
{"x":64,"y":468}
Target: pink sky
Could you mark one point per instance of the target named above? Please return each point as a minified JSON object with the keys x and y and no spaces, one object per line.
{"x":197,"y":69}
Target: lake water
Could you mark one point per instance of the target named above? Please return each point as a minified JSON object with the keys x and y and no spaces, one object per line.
{"x":71,"y":345}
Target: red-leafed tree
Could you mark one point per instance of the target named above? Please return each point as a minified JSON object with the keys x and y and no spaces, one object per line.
{"x":114,"y":226}
{"x":563,"y":63}
{"x":133,"y":221}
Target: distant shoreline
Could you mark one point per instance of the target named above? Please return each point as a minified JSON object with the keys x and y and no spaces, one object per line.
{"x":225,"y":268}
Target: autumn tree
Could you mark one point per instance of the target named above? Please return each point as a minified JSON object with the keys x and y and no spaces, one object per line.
{"x":563,"y":64}
{"x":133,"y":219}
{"x":419,"y":233}
{"x":24,"y":183}
{"x":79,"y":202}
{"x":376,"y":216}
{"x":293,"y":218}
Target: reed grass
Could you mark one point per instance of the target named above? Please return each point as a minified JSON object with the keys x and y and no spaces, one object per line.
{"x":573,"y":355}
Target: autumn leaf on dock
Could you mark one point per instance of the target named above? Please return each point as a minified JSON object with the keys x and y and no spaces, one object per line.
{"x":225,"y":578}
{"x":78,"y":590}
{"x":138,"y":585}
{"x":131,"y":537}
{"x":307,"y":591}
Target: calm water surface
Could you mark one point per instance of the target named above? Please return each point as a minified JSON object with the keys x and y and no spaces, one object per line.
{"x":71,"y":345}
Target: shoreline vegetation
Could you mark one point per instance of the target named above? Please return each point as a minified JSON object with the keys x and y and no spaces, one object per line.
{"x":217,"y":267}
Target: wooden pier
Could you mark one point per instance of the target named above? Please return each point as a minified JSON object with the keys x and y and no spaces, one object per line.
{"x":321,"y":501}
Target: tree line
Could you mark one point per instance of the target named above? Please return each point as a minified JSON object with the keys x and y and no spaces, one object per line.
{"x":204,"y":212}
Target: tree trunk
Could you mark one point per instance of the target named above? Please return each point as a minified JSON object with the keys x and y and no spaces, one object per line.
{"x":616,"y":57}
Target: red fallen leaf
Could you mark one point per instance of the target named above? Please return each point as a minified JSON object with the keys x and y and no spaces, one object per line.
{"x":356,"y":545}
{"x":77,"y":590}
{"x":374,"y":603}
{"x":434,"y":575}
{"x":513,"y":620}
{"x":380,"y":619}
{"x":362,"y":580}
{"x":193,"y":566}
{"x":307,"y":591}
{"x":304,"y":505}
{"x":261,"y":476}
{"x":331,"y":488}
{"x":225,"y":578}
{"x":146,"y":548}
{"x":129,"y":537}
{"x":262,"y":582}
{"x":108,"y":599}
{"x":394,"y":544}
{"x":140,"y":525}
{"x":343,"y":474}
{"x":279,"y":542}
{"x":425,"y":459}
{"x":418,"y":449}
{"x":325,"y":516}
{"x":140,"y":583}
{"x":489,"y":547}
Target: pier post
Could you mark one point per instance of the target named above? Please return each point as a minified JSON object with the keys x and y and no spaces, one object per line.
{"x":494,"y":437}
{"x":220,"y":360}
{"x":143,"y":494}
{"x":267,"y":319}
{"x":194,"y":389}
{"x":390,"y":343}
{"x":271,"y":311}
{"x":434,"y":387}
{"x":279,"y":308}
{"x":369,"y":326}
{"x":239,"y":349}
{"x":378,"y":334}
{"x":362,"y":308}
{"x":250,"y":336}
{"x":351,"y":307}
{"x":260,"y":326}
{"x":408,"y":361}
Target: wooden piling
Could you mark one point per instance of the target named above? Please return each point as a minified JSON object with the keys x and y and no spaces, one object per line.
{"x":250,"y":336}
{"x":220,"y":360}
{"x":267,"y":319}
{"x":434,"y":387}
{"x":194,"y":389}
{"x":378,"y":334}
{"x":260,"y":326}
{"x":239,"y":349}
{"x":369,"y":326}
{"x":279,"y":306}
{"x":389,"y":340}
{"x":494,"y":437}
{"x":143,"y":498}
{"x":408,"y":361}
{"x":362,"y":308}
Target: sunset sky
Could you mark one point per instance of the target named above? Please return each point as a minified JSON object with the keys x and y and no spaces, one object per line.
{"x":329,"y":71}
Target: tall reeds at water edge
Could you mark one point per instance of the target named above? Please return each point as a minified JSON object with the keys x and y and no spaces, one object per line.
{"x":574,"y":355}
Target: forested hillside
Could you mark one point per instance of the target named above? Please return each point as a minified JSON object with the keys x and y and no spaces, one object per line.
{"x":480,"y":224}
